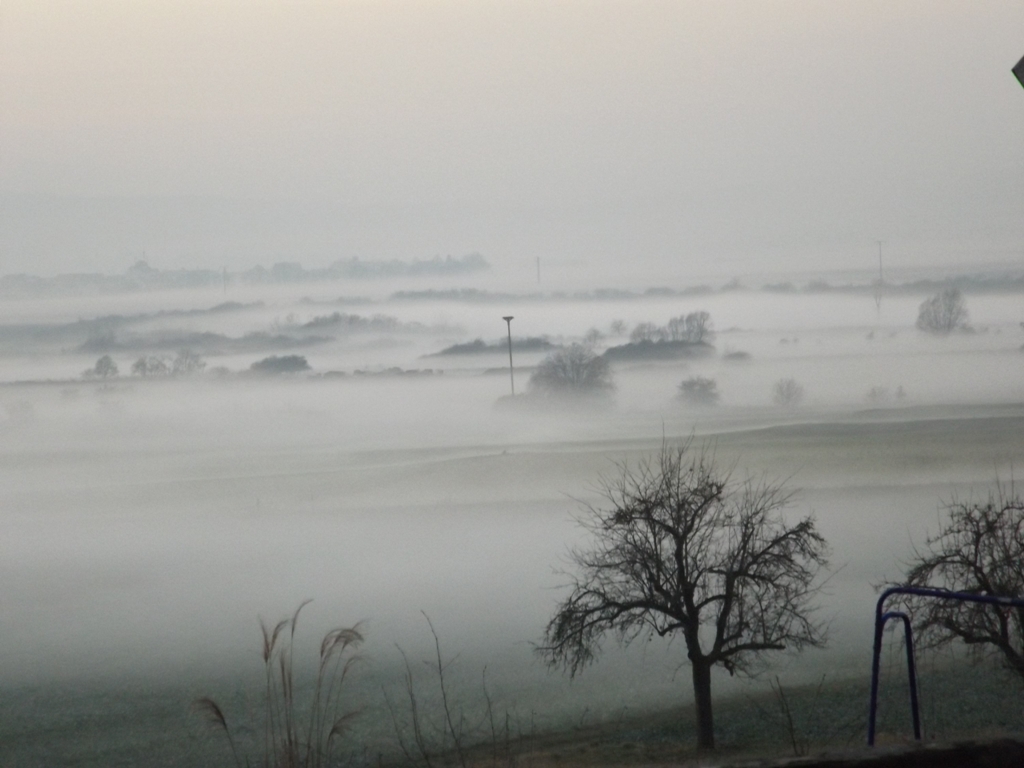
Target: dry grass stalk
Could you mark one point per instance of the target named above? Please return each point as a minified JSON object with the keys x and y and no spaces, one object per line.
{"x":294,"y":737}
{"x":449,"y":739}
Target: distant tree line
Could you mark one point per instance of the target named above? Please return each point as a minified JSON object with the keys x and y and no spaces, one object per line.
{"x":142,"y":276}
{"x":694,"y":328}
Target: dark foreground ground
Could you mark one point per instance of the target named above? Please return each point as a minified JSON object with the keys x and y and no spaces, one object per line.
{"x":973,"y":715}
{"x":1003,"y":753}
{"x":961,"y":702}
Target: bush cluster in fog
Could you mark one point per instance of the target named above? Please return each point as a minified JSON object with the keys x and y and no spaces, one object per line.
{"x":699,"y":390}
{"x":737,"y":356}
{"x":943,"y":313}
{"x":572,"y":372}
{"x":151,"y":366}
{"x":283,"y":364}
{"x":481,"y":347}
{"x":185,"y":363}
{"x":345,"y":322}
{"x":696,"y":327}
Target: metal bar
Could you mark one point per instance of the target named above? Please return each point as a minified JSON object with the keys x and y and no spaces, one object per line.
{"x":881,"y":617}
{"x":915,"y":709}
{"x":915,"y":705}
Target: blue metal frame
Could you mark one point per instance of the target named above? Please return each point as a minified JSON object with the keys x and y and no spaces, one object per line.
{"x":881,"y":617}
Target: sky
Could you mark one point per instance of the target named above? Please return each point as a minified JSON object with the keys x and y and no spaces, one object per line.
{"x":639,"y":134}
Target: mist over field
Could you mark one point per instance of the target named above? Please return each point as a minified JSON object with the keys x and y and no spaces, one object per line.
{"x":263,"y":267}
{"x":151,"y":519}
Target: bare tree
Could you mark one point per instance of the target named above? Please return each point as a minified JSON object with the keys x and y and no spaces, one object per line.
{"x":675,"y":329}
{"x":787,"y":393}
{"x":186,"y":363}
{"x":980,"y":550}
{"x":150,"y":366}
{"x":694,"y":327}
{"x":105,"y":368}
{"x":943,"y":313}
{"x":699,"y":327}
{"x":646,"y":332}
{"x":682,"y":548}
{"x":575,"y":370}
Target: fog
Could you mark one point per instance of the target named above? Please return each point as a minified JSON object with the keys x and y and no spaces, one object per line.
{"x":211,"y":177}
{"x":151,"y":520}
{"x":667,"y":134}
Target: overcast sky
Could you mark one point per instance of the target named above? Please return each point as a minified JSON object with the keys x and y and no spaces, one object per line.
{"x":754,"y":135}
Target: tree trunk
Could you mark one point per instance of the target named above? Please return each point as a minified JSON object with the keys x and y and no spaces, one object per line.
{"x":702,"y":701}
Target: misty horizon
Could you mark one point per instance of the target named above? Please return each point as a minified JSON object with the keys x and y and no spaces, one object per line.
{"x":373,"y":301}
{"x":791,"y":133}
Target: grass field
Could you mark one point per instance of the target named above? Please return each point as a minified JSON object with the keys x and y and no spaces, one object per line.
{"x":104,"y":652}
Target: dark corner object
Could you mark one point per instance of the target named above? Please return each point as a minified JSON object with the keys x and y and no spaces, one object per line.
{"x":1019,"y":71}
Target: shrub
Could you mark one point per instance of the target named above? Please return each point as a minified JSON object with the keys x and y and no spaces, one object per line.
{"x":283,"y":364}
{"x":105,"y":368}
{"x":736,"y":357}
{"x":878,"y":396}
{"x":943,"y":313}
{"x":699,"y":390}
{"x":572,"y":371}
{"x":787,"y":393}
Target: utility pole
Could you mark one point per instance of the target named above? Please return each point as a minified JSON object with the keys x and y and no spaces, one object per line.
{"x":511,"y":376}
{"x":538,"y":270}
{"x":881,"y":280}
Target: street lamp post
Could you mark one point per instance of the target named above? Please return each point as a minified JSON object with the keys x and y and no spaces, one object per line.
{"x":511,"y":376}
